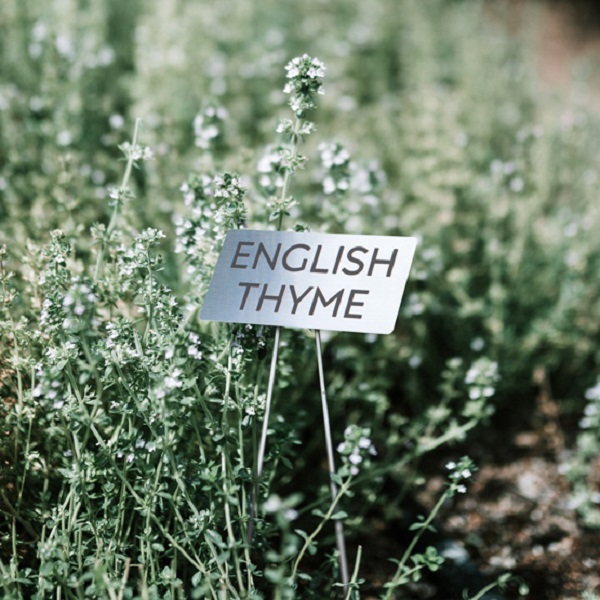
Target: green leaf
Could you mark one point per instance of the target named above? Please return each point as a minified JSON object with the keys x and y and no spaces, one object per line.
{"x":339,"y":515}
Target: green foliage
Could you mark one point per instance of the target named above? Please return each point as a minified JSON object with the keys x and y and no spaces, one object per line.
{"x":129,"y":427}
{"x":585,"y":498}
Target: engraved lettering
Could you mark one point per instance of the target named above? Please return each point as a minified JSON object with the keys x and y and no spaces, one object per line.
{"x":297,"y":299}
{"x":352,"y":302}
{"x":248,"y":287}
{"x":262,"y":251}
{"x":264,"y":296}
{"x":354,"y":260}
{"x":284,"y":261}
{"x":314,"y":268}
{"x":337,"y":298}
{"x":382,"y":261}
{"x":338,"y":259}
{"x":240,"y":254}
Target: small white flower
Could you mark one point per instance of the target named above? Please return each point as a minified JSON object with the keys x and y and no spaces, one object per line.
{"x":355,"y":458}
{"x":116,"y":121}
{"x":471,"y":375}
{"x":172,"y":380}
{"x":290,"y":514}
{"x":477,"y":344}
{"x":273,"y":504}
{"x":64,"y":138}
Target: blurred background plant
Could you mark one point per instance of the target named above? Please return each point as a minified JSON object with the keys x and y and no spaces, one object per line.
{"x":129,"y":426}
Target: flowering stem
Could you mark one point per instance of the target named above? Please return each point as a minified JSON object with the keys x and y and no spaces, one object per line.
{"x":113,"y":219}
{"x":400,"y":571}
{"x":289,"y":172}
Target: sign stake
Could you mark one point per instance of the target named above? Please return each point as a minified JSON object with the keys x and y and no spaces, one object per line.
{"x":339,"y":525}
{"x":263,"y":437}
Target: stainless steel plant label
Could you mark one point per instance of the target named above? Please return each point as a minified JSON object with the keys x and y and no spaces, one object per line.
{"x":310,"y":280}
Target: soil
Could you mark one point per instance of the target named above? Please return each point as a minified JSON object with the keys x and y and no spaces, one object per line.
{"x":517,"y":517}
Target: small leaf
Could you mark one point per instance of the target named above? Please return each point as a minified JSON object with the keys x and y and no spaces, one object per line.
{"x":339,"y":515}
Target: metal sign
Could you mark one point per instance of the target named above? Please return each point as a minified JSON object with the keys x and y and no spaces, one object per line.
{"x":310,"y":280}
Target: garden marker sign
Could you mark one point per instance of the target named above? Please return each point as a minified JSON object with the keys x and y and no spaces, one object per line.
{"x":310,"y":280}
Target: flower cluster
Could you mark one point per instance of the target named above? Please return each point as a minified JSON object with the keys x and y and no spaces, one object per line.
{"x":215,"y":205}
{"x":482,"y":378}
{"x":585,"y":497}
{"x":119,"y":348}
{"x":136,"y":152}
{"x":368,"y":179}
{"x":229,"y":193}
{"x":207,"y":125}
{"x":460,"y":472}
{"x":117,"y":196}
{"x":359,"y":184}
{"x":270,"y":170}
{"x":356,"y":449}
{"x":305,"y":81}
{"x":287,"y":126}
{"x":55,"y":255}
{"x":49,"y":389}
{"x":251,"y":339}
{"x":335,"y":159}
{"x":139,"y":258}
{"x":194,"y":348}
{"x":79,"y":307}
{"x":196,"y":233}
{"x":591,"y":418}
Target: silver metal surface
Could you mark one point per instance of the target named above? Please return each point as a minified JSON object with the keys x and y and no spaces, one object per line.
{"x":310,"y":280}
{"x":263,"y":437}
{"x":339,"y":525}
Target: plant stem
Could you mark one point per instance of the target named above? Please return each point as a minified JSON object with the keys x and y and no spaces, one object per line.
{"x":354,"y":578}
{"x":289,"y":172}
{"x":309,"y":540}
{"x":396,"y":580}
{"x":113,"y":219}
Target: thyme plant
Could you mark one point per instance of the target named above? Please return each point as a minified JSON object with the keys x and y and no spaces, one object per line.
{"x":130,"y":428}
{"x":141,"y":482}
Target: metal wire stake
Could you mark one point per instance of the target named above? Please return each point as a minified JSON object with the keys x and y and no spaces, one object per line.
{"x":339,"y":526}
{"x":263,"y":437}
